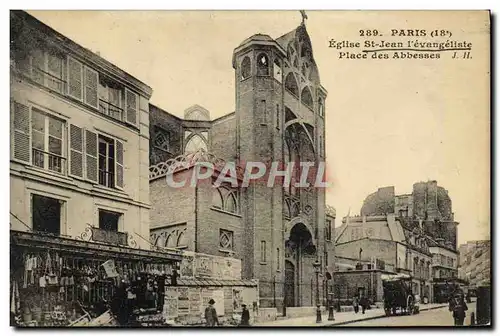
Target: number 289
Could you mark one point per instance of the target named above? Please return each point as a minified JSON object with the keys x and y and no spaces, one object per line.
{"x":373,"y":32}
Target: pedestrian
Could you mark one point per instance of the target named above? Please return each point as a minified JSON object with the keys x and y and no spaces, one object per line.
{"x":245,"y":316}
{"x":211,"y":314}
{"x":364,"y":303}
{"x":458,"y":307}
{"x":355,"y":303}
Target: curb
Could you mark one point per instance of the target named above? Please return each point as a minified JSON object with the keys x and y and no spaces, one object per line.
{"x":374,"y":317}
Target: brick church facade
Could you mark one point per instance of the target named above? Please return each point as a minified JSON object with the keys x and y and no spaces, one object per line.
{"x":278,"y":232}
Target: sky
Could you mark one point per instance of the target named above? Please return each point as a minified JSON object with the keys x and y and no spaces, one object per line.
{"x":388,"y":122}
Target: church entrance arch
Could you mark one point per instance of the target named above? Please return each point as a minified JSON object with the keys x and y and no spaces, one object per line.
{"x":299,"y":243}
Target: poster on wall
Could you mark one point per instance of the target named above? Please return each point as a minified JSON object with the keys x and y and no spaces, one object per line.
{"x":249,"y":296}
{"x":187,"y":265}
{"x":218,"y":296}
{"x":204,"y":266}
{"x":170,"y":307}
{"x":237,"y":299}
{"x":218,"y":268}
{"x":206,"y":295}
{"x":183,"y":301}
{"x":194,"y":301}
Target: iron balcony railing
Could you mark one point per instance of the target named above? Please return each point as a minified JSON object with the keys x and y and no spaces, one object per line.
{"x":109,"y":237}
{"x":111,"y":110}
{"x":49,"y":161}
{"x":48,"y":80}
{"x":106,"y":178}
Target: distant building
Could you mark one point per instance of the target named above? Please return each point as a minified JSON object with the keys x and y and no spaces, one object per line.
{"x":416,"y":233}
{"x":474,"y":262}
{"x":428,"y":204}
{"x":386,"y":239}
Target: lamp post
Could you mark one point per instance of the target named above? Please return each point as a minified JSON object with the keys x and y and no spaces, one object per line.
{"x":317,"y":269}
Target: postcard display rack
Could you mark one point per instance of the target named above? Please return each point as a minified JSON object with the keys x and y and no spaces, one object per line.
{"x":50,"y":289}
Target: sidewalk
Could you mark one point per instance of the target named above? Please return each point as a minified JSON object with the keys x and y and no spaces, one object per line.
{"x":340,"y":318}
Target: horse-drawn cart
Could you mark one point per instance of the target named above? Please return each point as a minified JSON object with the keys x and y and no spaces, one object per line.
{"x":398,"y":295}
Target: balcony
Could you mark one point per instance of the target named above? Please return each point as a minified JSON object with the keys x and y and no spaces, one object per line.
{"x":110,"y":110}
{"x":106,"y":178}
{"x":48,"y":80}
{"x":109,"y":237}
{"x":49,"y":161}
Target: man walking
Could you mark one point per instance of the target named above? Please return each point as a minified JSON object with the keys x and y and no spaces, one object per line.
{"x":211,"y":314}
{"x":245,"y":316}
{"x":355,"y":303}
{"x":458,"y":307}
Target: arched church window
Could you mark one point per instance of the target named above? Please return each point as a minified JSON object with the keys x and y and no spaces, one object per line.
{"x":231,"y":205}
{"x":217,"y":201}
{"x":194,"y":144}
{"x":277,"y":71}
{"x":246,"y":68}
{"x":225,"y":199}
{"x":170,"y":242}
{"x":181,"y":240}
{"x":306,"y":97}
{"x":321,"y":107}
{"x":263,"y":65}
{"x":291,"y":84}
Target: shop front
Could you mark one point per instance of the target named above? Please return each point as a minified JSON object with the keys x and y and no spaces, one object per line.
{"x":58,"y":281}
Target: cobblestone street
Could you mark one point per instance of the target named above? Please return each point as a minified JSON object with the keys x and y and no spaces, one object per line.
{"x":436,"y":317}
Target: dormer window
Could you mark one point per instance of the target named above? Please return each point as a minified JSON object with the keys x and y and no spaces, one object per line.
{"x":262,"y":65}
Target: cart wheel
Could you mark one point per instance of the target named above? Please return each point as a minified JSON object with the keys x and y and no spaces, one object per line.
{"x":410,"y":306}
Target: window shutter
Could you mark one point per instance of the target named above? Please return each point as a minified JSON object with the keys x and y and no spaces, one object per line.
{"x":75,"y":74}
{"x":76,"y":151}
{"x":119,"y":164}
{"x":91,"y":85}
{"x":131,"y":104}
{"x":38,"y":62}
{"x":91,"y":155}
{"x":22,"y":133}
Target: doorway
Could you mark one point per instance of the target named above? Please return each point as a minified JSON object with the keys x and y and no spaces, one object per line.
{"x":289,"y":284}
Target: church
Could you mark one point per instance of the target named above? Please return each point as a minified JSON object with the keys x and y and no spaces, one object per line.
{"x":282,"y":235}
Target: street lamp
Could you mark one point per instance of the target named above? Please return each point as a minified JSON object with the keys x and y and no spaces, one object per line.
{"x":317,"y":269}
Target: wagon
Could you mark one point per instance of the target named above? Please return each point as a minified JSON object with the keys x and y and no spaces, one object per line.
{"x":398,"y":295}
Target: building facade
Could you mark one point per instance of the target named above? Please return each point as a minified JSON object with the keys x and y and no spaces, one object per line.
{"x":384,"y":238}
{"x":475,"y":263}
{"x":80,"y":139}
{"x":79,"y":186}
{"x":278,"y":232}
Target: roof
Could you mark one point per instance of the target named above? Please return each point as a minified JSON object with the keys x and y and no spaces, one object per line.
{"x":257,"y":37}
{"x":187,"y":161}
{"x":36,"y":26}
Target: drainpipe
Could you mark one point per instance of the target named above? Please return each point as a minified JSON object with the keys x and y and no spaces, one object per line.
{"x":196,"y":218}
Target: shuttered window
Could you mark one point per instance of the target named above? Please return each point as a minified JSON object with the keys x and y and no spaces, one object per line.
{"x":119,"y":164}
{"x":21,"y":133}
{"x":76,"y":151}
{"x":91,"y":155}
{"x":75,"y":78}
{"x":91,"y":85}
{"x":131,"y":104}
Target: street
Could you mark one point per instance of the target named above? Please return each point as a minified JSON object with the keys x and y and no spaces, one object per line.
{"x":435,"y":317}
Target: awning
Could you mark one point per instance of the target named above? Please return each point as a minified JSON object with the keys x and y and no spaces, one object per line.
{"x":32,"y":240}
{"x":214,"y":283}
{"x":345,"y":265}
